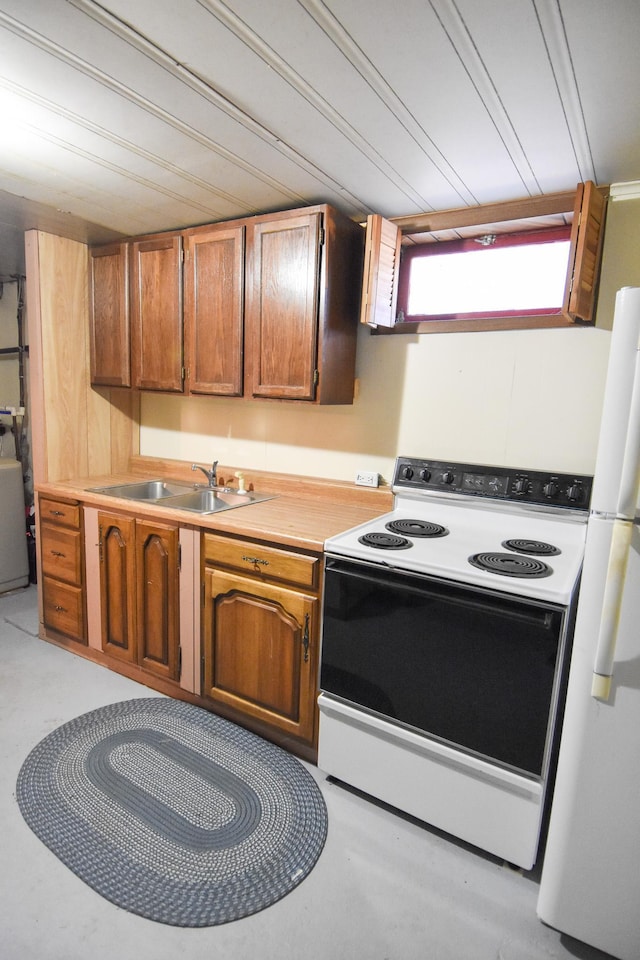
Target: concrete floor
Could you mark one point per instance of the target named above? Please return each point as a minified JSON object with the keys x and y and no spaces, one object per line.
{"x":384,"y":888}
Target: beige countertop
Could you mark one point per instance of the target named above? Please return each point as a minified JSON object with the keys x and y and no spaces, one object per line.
{"x":303,"y":513}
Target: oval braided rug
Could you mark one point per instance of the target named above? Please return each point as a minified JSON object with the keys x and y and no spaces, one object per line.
{"x":172,"y":812}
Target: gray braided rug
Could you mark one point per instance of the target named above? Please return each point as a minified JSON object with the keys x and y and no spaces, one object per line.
{"x":173,"y":813}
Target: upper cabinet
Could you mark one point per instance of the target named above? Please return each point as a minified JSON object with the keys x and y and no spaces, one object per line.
{"x":304,"y":272}
{"x":270,"y":307}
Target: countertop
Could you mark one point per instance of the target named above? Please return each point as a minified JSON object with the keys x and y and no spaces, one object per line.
{"x":303,"y":518}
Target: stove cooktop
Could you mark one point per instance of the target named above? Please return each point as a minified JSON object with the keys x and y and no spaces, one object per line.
{"x":472,"y":532}
{"x":517,"y":532}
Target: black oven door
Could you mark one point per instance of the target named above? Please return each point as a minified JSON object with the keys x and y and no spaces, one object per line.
{"x":477,"y":669}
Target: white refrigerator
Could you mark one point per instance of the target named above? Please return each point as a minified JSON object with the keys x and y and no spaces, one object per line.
{"x":590,"y":883}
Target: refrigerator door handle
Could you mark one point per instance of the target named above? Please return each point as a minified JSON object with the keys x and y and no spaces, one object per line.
{"x":609,"y":621}
{"x":630,"y":474}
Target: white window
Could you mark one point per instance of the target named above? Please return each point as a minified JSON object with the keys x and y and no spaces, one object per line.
{"x":519,"y":274}
{"x":417,"y":281}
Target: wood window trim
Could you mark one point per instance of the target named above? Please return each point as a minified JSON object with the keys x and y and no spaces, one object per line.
{"x":382,"y":260}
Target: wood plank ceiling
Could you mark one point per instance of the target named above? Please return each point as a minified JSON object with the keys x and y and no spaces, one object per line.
{"x":130,"y":116}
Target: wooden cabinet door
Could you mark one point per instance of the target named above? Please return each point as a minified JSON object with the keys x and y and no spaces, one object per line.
{"x":213,"y":310}
{"x":381,"y":265}
{"x":139,"y":593}
{"x":157,"y":584}
{"x":156,"y":313}
{"x":587,"y":235}
{"x":109,"y":316}
{"x":260,"y":651}
{"x":117,"y":585}
{"x":281,"y":312}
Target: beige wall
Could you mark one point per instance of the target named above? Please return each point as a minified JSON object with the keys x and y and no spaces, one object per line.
{"x":521,"y":398}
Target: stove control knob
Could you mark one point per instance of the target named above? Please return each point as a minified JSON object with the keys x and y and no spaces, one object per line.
{"x":407,"y":473}
{"x":550,"y":489}
{"x":425,"y":475}
{"x":447,"y":477}
{"x":575,"y":493}
{"x":522,"y":485}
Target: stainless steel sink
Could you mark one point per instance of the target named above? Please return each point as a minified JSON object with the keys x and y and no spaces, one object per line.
{"x":183,"y":496}
{"x":208,"y":500}
{"x":145,"y":489}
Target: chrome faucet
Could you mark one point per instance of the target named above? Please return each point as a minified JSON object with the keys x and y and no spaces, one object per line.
{"x":211,"y":475}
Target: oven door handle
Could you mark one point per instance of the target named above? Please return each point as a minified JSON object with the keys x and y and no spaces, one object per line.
{"x":454,"y":593}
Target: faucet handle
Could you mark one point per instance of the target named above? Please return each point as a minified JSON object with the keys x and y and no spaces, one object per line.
{"x":241,"y":485}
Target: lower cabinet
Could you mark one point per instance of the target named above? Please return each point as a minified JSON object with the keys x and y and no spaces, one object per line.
{"x":139,"y":593}
{"x":260,"y":636}
{"x":237,"y":629}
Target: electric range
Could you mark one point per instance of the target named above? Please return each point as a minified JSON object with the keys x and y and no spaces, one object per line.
{"x":447,"y":627}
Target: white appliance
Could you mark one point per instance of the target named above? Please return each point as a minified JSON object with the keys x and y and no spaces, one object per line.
{"x":14,"y":563}
{"x":446,"y":624}
{"x":590,"y":884}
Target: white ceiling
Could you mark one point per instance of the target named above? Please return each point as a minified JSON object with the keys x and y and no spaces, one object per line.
{"x":130,"y":116}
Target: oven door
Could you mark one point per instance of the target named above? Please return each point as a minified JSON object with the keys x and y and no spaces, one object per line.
{"x":473,"y":669}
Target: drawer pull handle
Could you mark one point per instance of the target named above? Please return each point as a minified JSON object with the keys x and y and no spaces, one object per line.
{"x":256,"y":560}
{"x":56,"y":513}
{"x":57,"y":553}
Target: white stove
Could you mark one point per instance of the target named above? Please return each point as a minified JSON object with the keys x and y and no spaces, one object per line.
{"x":526,"y":529}
{"x":447,"y":627}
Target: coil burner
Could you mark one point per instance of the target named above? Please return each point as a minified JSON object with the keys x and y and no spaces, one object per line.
{"x":417,"y":528}
{"x":536,"y":547}
{"x":508,"y":565}
{"x":384,"y":541}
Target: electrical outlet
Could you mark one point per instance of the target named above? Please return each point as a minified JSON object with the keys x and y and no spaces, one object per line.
{"x":367,"y":478}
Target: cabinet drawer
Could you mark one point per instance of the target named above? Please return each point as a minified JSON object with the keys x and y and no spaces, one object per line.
{"x":265,"y":562}
{"x":61,"y":553}
{"x":63,"y":610}
{"x":66,"y":514}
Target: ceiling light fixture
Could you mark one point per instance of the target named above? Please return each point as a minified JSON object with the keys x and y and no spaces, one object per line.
{"x":486,"y":240}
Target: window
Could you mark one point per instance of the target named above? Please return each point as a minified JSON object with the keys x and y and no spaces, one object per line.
{"x":507,"y":275}
{"x":578,"y":214}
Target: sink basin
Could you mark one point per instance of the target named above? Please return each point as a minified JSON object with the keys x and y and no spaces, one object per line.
{"x":145,"y":489}
{"x":182,"y":496}
{"x":207,"y":500}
